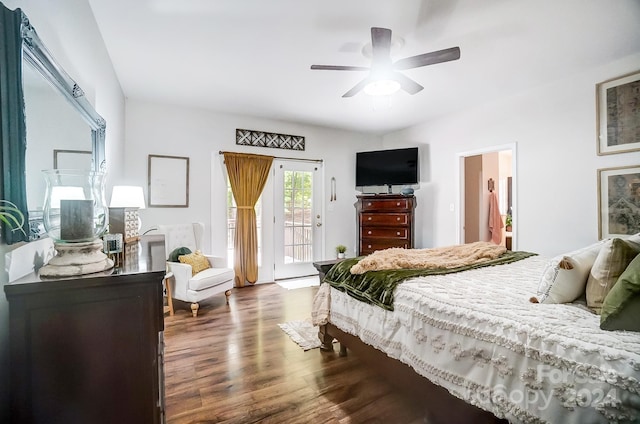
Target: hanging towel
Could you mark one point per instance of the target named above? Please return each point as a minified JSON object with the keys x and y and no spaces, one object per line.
{"x":495,"y":220}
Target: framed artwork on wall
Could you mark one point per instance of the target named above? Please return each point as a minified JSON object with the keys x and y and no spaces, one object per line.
{"x":168,"y":180}
{"x":618,"y":201}
{"x":72,"y":159}
{"x":618,"y":114}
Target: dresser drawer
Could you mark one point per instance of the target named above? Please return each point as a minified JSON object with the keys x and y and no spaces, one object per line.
{"x":386,"y":204}
{"x":400,"y":233}
{"x":368,"y":246}
{"x":386,"y":219}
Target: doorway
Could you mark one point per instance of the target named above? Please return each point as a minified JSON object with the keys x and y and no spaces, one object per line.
{"x":477,"y":170}
{"x":297,"y":217}
{"x":289,"y":220}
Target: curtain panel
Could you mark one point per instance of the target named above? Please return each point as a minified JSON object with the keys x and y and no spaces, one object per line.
{"x":13,"y":140}
{"x":247,"y":176}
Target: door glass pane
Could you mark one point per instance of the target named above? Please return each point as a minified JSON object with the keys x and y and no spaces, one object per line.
{"x":307,"y":217}
{"x":288,"y":254}
{"x":298,"y":242}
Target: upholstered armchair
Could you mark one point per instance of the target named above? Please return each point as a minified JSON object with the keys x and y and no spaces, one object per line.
{"x":185,"y":285}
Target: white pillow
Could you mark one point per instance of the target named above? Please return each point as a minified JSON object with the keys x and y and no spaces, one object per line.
{"x":564,"y":279}
{"x":635,"y":238}
{"x":614,"y":258}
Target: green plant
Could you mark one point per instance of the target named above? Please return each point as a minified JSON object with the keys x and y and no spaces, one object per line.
{"x":508,"y":222}
{"x":11,"y":216}
{"x":341,"y":248}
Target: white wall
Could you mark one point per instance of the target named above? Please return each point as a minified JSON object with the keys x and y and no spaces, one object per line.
{"x":199,"y":134}
{"x":69,"y":30}
{"x":554,"y":127}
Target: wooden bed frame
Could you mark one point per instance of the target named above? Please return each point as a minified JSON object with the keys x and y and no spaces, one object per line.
{"x":440,"y":406}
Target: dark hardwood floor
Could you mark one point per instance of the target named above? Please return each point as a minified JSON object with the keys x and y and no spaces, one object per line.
{"x":233,"y":364}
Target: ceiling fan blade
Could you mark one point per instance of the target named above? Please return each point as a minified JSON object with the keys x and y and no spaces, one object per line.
{"x":407,"y":84}
{"x":425,"y":59}
{"x":338,"y":68}
{"x":381,"y":45}
{"x":356,"y":88}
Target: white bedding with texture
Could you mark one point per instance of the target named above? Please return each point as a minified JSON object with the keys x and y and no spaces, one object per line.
{"x":476,"y":334}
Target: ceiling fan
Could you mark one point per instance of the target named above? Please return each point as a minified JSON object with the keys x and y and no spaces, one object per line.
{"x":384,"y":77}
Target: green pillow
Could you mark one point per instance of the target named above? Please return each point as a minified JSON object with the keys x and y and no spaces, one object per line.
{"x":173,"y":256}
{"x":621,"y":306}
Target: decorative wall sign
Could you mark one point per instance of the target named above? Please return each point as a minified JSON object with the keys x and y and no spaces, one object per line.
{"x":267,"y":139}
{"x":619,"y":201}
{"x":619,"y":114}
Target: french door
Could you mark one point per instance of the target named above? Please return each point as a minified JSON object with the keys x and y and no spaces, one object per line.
{"x":297,"y":219}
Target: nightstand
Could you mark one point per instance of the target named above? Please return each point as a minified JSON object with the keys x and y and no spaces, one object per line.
{"x":324,"y":266}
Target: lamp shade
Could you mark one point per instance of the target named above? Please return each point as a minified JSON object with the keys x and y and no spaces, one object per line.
{"x":127,"y":197}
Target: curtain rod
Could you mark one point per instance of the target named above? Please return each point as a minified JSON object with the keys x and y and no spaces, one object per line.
{"x":222,"y":152}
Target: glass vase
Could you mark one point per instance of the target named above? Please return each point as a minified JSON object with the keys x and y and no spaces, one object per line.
{"x":75,"y":209}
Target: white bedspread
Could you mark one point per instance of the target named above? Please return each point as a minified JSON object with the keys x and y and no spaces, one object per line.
{"x":476,"y":334}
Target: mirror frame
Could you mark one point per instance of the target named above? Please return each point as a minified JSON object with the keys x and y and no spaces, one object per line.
{"x":35,"y":52}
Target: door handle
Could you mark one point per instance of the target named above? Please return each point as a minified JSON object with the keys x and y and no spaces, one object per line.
{"x":319,"y":224}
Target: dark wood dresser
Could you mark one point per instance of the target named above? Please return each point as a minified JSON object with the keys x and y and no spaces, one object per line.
{"x":90,"y":349}
{"x":384,"y":221}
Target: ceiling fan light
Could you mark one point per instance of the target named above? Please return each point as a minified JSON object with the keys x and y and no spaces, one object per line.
{"x":383,"y":87}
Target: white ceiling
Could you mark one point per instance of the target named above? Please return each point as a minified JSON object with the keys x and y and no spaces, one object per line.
{"x":252,"y":57}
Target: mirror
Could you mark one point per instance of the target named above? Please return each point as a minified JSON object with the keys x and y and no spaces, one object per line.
{"x":51,"y":126}
{"x":63,"y":129}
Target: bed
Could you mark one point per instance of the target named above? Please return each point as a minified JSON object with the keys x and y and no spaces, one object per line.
{"x":476,"y":348}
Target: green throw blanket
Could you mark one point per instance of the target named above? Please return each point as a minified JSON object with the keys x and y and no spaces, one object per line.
{"x":376,"y":287}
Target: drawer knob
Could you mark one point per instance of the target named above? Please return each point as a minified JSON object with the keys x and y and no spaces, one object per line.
{"x":398,"y":233}
{"x":369,"y":246}
{"x":369,"y":218}
{"x":398,"y":218}
{"x":369,"y":232}
{"x":369,"y":204}
{"x":398,"y":204}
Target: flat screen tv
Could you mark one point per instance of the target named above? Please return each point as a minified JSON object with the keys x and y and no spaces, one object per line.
{"x":387,"y":167}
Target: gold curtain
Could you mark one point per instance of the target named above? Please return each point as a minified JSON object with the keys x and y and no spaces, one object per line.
{"x":247,"y":175}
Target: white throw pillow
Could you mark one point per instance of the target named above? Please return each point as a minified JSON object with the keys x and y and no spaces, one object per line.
{"x":565,"y":277}
{"x":614,"y":257}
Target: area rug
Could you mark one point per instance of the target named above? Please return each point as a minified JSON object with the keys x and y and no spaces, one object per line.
{"x":299,"y":283}
{"x":303,"y":333}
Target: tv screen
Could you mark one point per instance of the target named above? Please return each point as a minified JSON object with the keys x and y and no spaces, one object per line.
{"x":387,"y":167}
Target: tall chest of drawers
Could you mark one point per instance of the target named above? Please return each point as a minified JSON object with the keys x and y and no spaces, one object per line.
{"x":385,"y":221}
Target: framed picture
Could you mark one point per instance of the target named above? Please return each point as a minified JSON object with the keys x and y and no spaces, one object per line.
{"x":618,"y":109}
{"x":72,"y":159}
{"x":618,"y":201}
{"x":168,"y":180}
